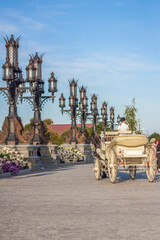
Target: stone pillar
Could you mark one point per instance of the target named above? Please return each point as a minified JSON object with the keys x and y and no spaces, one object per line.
{"x":87,"y":151}
{"x":50,"y":157}
{"x":32,"y":158}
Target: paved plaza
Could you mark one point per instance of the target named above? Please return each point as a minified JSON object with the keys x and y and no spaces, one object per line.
{"x":69,"y":203}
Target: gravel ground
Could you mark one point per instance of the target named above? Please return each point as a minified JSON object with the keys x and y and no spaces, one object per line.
{"x":69,"y":203}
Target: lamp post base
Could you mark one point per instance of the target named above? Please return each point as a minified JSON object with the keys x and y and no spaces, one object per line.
{"x":11,"y":140}
{"x":40,"y":133}
{"x":12,"y":126}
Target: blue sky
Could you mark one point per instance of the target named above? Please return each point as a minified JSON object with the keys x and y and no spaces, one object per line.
{"x":112,"y":47}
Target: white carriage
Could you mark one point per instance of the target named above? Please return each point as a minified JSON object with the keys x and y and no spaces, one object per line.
{"x":127,"y":152}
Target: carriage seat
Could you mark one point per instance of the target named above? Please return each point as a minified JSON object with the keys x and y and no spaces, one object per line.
{"x":129,"y":140}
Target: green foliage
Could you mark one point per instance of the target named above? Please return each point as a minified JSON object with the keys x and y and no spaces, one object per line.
{"x":65,"y":134}
{"x":27,"y":126}
{"x":154,"y":135}
{"x":99,"y":127}
{"x":47,"y":121}
{"x":89,"y":130}
{"x":56,"y":139}
{"x":138,"y":131}
{"x":79,"y":129}
{"x":130,"y":115}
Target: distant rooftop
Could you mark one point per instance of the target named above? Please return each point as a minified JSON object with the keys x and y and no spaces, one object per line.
{"x":60,"y":128}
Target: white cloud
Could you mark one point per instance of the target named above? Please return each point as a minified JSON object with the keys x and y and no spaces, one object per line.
{"x":22,"y":19}
{"x":31,"y":23}
{"x":102,"y":66}
{"x":7,"y":27}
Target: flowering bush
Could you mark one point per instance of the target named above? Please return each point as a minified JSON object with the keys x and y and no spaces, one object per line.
{"x":68,"y":155}
{"x":11,"y":161}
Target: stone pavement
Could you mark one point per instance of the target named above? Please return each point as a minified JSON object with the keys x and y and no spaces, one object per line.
{"x":69,"y":203}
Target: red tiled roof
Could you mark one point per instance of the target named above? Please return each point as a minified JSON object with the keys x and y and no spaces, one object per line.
{"x":60,"y":128}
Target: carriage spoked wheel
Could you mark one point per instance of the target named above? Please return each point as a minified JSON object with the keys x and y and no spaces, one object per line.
{"x":151,"y":166}
{"x":112,"y":166}
{"x":132,"y":172}
{"x":97,"y":169}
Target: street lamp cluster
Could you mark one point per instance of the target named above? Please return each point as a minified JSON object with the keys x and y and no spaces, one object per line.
{"x":73,"y":103}
{"x":36,"y":88}
{"x":12,"y":75}
{"x":82,"y":111}
{"x":16,"y":88}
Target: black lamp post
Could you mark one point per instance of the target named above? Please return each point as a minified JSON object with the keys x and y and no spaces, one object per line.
{"x":112,"y":118}
{"x":104,"y":115}
{"x":83,"y":104}
{"x":12,"y":75}
{"x":36,"y":88}
{"x":94,"y":111}
{"x":118,"y":119}
{"x":73,"y":103}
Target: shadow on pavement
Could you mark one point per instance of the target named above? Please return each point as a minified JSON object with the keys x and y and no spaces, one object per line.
{"x":124,"y":177}
{"x":45,"y":172}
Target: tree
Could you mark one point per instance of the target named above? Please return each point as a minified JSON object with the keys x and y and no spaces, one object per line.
{"x":100,"y":128}
{"x":154,"y":135}
{"x":130,"y":115}
{"x":27,"y":126}
{"x":56,"y":139}
{"x":48,"y":121}
{"x":45,"y":121}
{"x":89,"y":131}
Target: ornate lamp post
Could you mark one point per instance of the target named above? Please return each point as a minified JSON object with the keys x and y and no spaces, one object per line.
{"x":118,"y":119}
{"x":104,"y":116}
{"x":36,"y":88}
{"x":94,"y":111}
{"x":73,"y":103}
{"x":62,"y":103}
{"x":83,"y":104}
{"x":12,"y":75}
{"x":112,"y":118}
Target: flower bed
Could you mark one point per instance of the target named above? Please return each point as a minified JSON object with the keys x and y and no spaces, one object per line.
{"x":68,"y":155}
{"x":11,"y":161}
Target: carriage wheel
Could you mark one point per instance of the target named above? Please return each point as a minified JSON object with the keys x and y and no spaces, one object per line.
{"x":151,"y":167}
{"x":112,"y":165}
{"x":97,"y":169}
{"x":132,"y":172}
